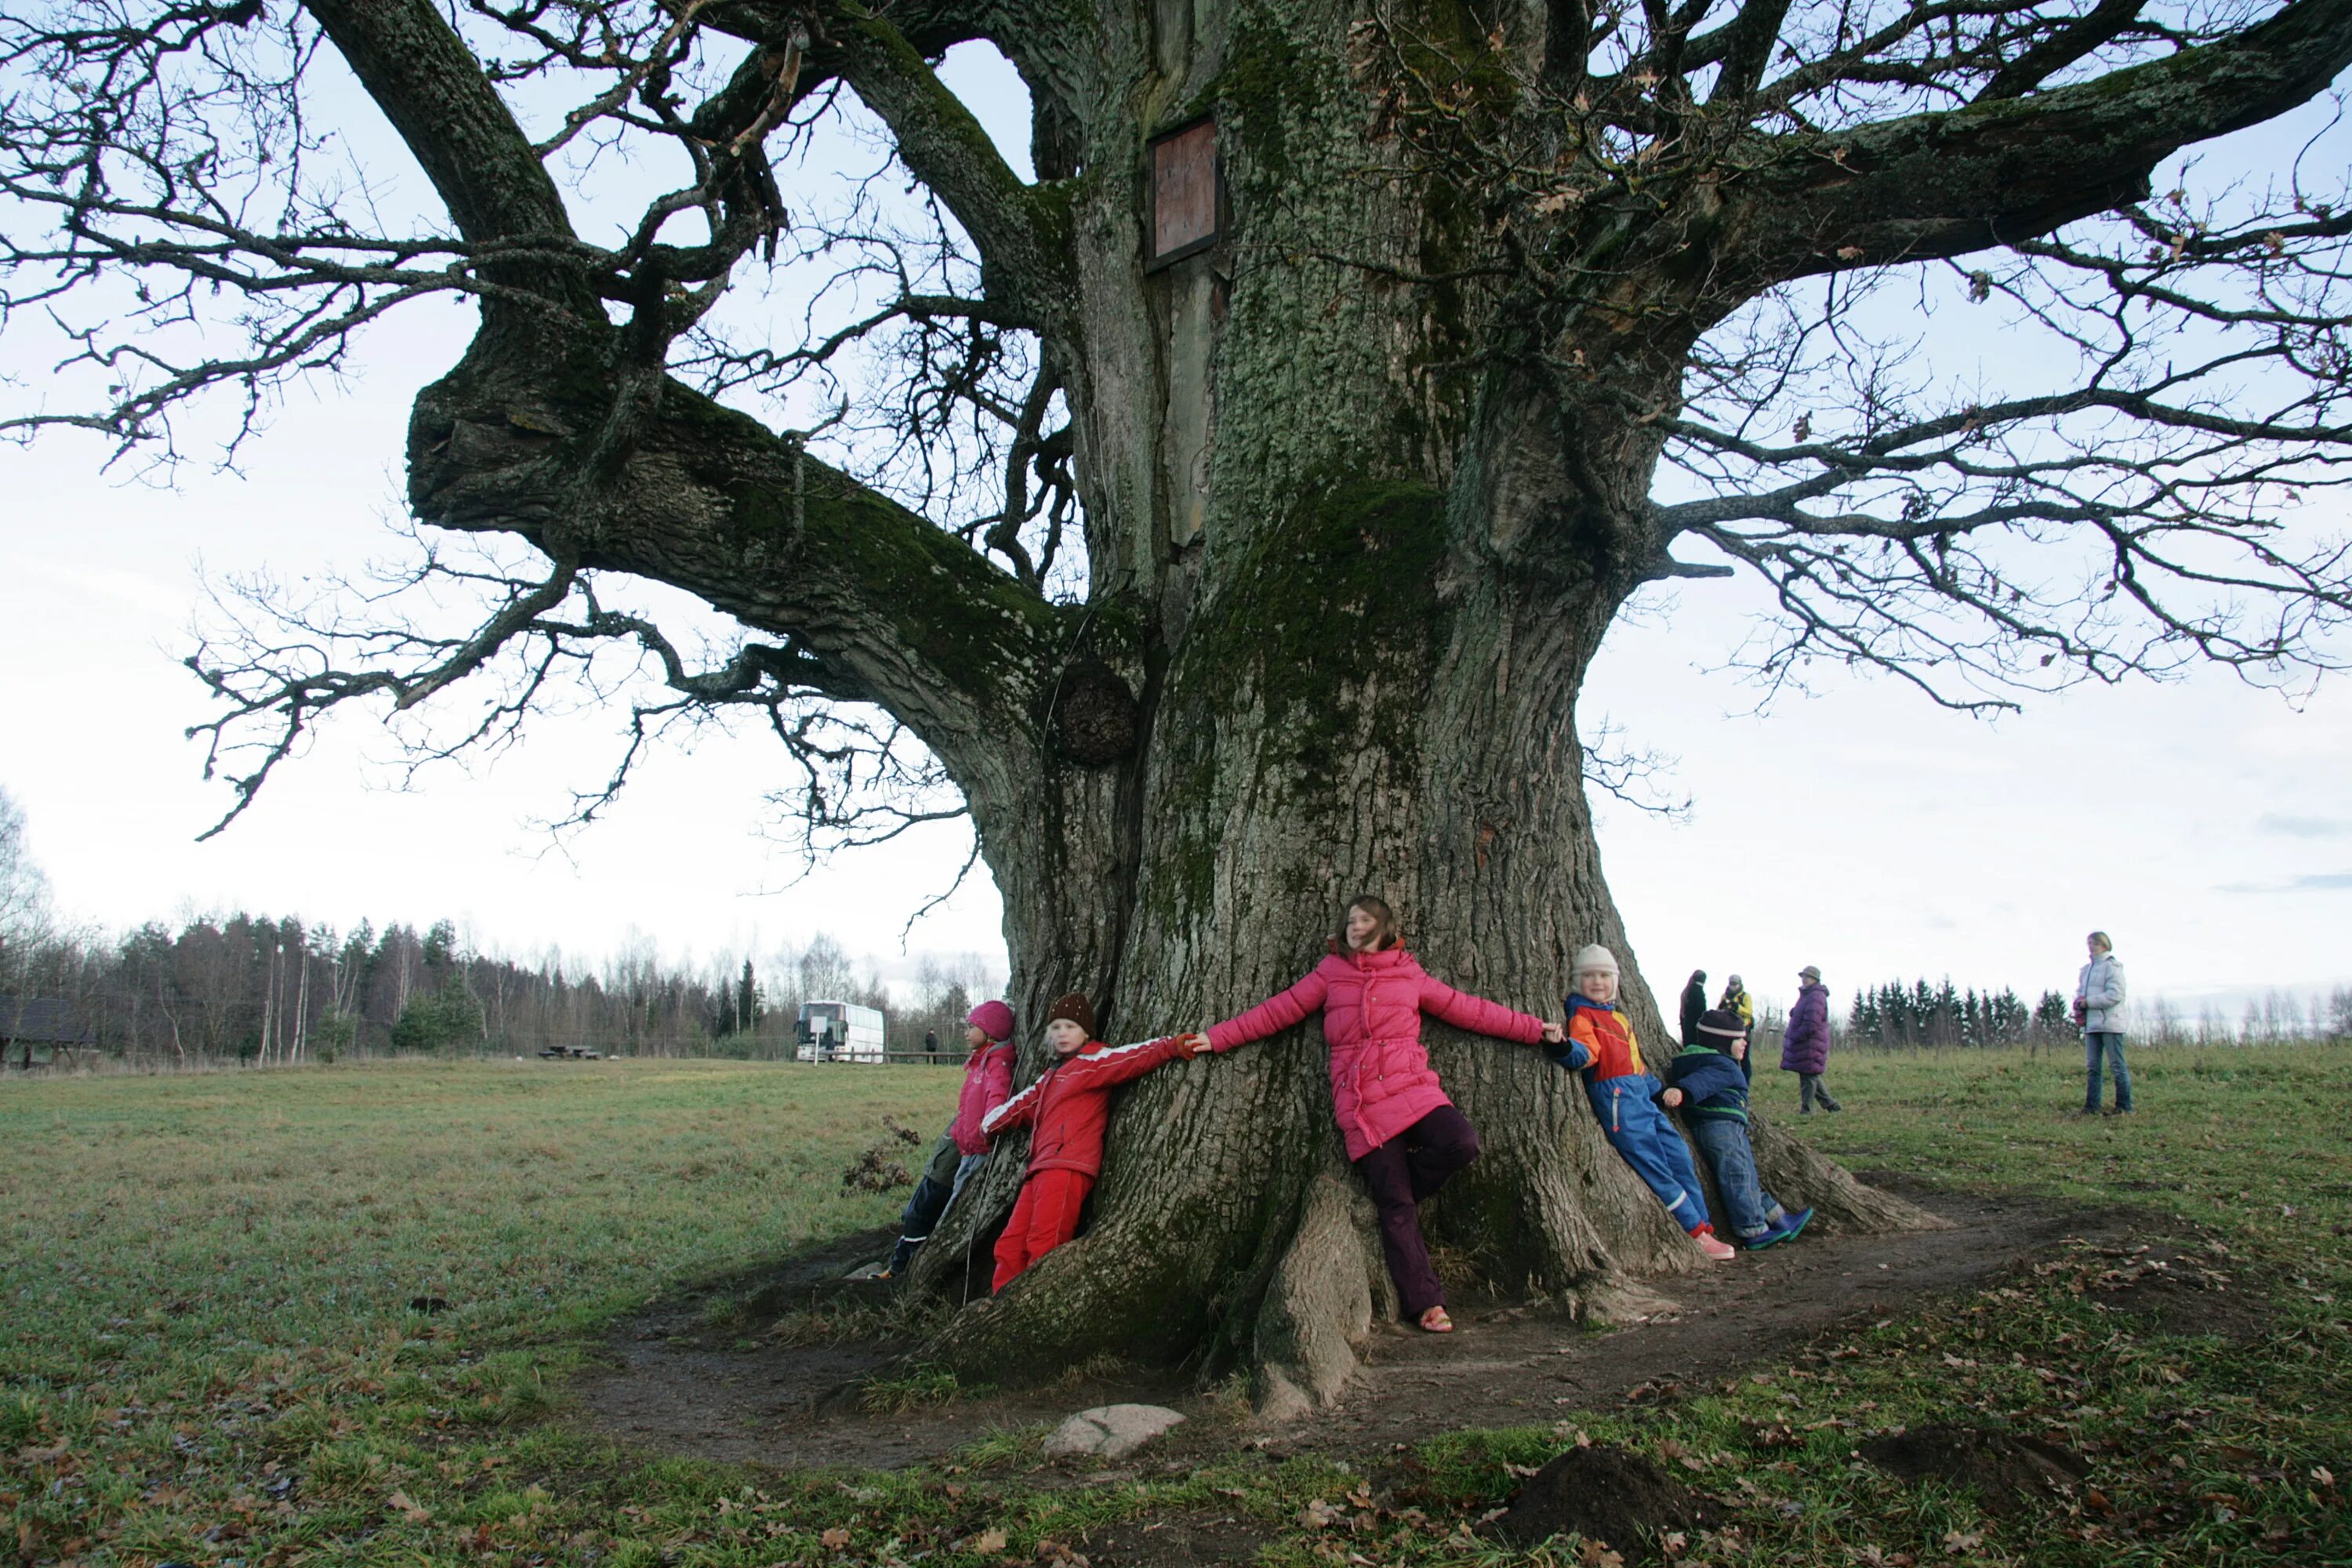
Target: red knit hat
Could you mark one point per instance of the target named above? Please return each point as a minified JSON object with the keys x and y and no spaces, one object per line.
{"x":1077,"y":1009}
{"x":993,"y":1019}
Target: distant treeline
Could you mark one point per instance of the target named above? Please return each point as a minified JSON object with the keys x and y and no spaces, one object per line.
{"x":1936,"y":1015}
{"x":253,"y":989}
{"x":1919,"y":1014}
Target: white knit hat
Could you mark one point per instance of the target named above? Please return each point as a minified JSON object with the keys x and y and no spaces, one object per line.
{"x":1591,"y":958}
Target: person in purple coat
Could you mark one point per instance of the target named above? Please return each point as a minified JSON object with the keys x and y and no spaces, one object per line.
{"x":1805,"y":1046}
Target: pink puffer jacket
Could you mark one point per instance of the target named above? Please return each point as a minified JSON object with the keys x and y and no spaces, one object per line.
{"x":1372,"y":1002}
{"x":987,"y":1082}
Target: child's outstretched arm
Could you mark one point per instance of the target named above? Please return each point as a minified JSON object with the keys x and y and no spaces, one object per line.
{"x":1574,"y":1051}
{"x":1020,"y":1111}
{"x":1121,"y":1063}
{"x":1478,"y":1015}
{"x":1271,"y":1016}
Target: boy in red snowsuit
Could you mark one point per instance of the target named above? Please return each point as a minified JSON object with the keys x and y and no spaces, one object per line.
{"x":1067,"y":1108}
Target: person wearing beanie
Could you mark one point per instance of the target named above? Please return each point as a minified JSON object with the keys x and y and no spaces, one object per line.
{"x":1404,"y":1136}
{"x":1805,"y":1045}
{"x":1737,"y":1000}
{"x":1624,"y":1097}
{"x":1694,"y":1004}
{"x":987,"y":1080}
{"x":1067,"y":1110}
{"x":1705,"y":1081}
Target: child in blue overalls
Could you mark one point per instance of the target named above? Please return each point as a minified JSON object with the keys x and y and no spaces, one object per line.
{"x":1624,"y":1096}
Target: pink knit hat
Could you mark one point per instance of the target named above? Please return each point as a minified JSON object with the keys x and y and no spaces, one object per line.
{"x":993,"y":1019}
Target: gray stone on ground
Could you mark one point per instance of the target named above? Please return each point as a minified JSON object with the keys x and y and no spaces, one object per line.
{"x":1111,"y":1431}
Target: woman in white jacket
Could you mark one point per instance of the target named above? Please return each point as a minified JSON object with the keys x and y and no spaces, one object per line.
{"x":2099,"y":1005}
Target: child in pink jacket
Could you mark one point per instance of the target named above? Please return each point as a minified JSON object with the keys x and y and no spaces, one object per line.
{"x":1402,"y":1132}
{"x":987,"y":1082}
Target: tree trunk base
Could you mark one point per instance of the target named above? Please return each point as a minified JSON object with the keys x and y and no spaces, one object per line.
{"x":1320,"y":1303}
{"x":1301,"y":1335}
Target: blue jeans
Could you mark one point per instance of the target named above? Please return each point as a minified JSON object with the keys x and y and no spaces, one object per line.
{"x":1639,"y":1131}
{"x":2096,"y":1044}
{"x":1724,"y":1143}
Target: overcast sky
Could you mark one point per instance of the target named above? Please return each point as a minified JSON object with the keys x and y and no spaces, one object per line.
{"x":2207,"y":825}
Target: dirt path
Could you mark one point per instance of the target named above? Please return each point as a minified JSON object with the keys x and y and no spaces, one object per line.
{"x":676,"y":1387}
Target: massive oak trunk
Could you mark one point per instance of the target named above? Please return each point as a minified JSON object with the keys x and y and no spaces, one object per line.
{"x":1353,"y":590}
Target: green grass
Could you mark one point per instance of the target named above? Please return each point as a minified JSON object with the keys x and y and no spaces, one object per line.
{"x":207,"y":1356}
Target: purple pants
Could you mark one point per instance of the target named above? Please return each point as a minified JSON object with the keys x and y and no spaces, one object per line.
{"x":1400,"y":1173}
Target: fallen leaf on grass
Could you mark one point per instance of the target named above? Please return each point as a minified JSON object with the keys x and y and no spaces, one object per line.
{"x":1320,"y":1515}
{"x":1593,"y":1554}
{"x":1956,"y":1542}
{"x":834,"y":1539}
{"x":409,"y":1509}
{"x":987,"y":1543}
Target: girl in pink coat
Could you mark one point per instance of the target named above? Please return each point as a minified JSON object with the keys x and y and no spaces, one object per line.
{"x":1402,"y":1132}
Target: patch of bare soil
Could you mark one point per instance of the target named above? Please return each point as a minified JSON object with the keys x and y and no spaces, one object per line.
{"x":2006,"y":1469}
{"x":677,"y":1380}
{"x":1178,"y":1541}
{"x":2179,"y":1292}
{"x":1511,"y":1367}
{"x":1612,"y":1495}
{"x":677,"y":1383}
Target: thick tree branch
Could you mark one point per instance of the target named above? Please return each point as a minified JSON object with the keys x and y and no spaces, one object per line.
{"x":705,"y":498}
{"x":2060,"y":49}
{"x":1022,"y":232}
{"x":2007,"y":169}
{"x":429,"y":85}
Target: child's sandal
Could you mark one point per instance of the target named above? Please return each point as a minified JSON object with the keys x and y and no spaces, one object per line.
{"x":1435,"y":1322}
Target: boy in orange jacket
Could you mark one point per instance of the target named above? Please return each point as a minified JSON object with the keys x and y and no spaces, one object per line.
{"x":1067,"y":1109}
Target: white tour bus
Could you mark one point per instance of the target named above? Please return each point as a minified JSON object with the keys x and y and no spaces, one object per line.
{"x":839,"y":1032}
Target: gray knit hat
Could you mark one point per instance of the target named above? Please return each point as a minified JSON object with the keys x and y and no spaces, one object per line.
{"x":1591,"y":958}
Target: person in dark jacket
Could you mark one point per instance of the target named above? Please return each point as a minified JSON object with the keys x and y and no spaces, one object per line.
{"x":1694,"y":1004}
{"x":1805,"y":1046}
{"x":1706,"y":1084}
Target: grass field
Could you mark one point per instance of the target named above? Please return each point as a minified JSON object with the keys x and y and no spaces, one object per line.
{"x":206,"y":1355}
